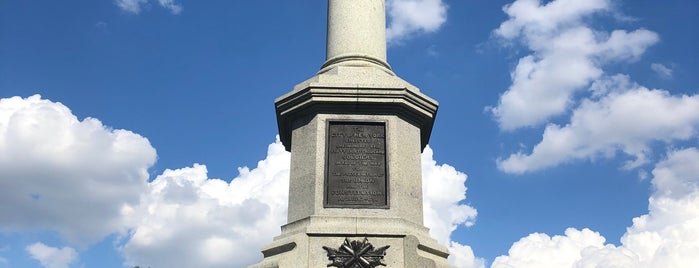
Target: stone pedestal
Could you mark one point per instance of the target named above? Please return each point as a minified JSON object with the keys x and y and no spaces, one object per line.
{"x":354,"y":94}
{"x":355,"y":132}
{"x":302,"y":242}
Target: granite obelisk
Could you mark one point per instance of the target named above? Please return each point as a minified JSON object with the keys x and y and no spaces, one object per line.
{"x":355,"y":131}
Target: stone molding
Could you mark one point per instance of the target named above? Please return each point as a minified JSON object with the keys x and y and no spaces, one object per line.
{"x":336,"y":93}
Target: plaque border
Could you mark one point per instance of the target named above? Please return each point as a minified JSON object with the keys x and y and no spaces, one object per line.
{"x":384,"y":123}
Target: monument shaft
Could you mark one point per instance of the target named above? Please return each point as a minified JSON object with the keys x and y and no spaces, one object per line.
{"x":355,"y":131}
{"x":356,"y":32}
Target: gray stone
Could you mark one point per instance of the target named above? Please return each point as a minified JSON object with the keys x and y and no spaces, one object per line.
{"x":356,"y":34}
{"x":355,"y":90}
{"x":355,"y":85}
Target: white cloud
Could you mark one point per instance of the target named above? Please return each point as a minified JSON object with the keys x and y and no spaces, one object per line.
{"x":51,"y":257}
{"x":202,"y":222}
{"x":542,"y":251}
{"x":444,"y":190}
{"x":567,"y":55}
{"x":135,"y":6}
{"x":60,"y":174}
{"x":534,"y":20}
{"x":613,"y":114}
{"x":668,"y":236}
{"x":624,"y":120}
{"x":462,"y":256}
{"x":409,"y":17}
{"x":229,"y":223}
{"x":131,"y":6}
{"x":662,"y":70}
{"x":52,"y":165}
{"x":677,"y":177}
{"x":171,"y":5}
{"x":616,"y":116}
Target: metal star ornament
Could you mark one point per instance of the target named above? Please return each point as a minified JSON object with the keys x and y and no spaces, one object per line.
{"x":356,"y":254}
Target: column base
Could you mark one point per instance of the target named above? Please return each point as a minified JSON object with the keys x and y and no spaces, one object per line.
{"x":301,"y":243}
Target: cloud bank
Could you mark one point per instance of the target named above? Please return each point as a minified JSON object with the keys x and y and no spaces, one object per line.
{"x":610,"y":115}
{"x":668,"y":236}
{"x":566,"y":57}
{"x":628,"y":118}
{"x":226,"y":223}
{"x":230,"y":222}
{"x":58,"y":173}
{"x":85,"y":181}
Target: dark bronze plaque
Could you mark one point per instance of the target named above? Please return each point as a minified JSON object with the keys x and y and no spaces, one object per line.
{"x":356,"y":165}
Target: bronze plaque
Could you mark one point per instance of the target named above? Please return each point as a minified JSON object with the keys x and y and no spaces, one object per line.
{"x":356,"y":174}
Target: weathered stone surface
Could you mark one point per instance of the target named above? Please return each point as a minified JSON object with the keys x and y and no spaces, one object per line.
{"x":409,"y":245}
{"x":307,"y":177}
{"x":313,"y":225}
{"x":356,"y":33}
{"x":355,"y":88}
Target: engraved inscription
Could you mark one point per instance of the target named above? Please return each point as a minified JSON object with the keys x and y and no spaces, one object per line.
{"x":356,"y":165}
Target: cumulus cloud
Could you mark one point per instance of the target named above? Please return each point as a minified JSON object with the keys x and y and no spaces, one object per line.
{"x":566,"y":56}
{"x":51,"y":257}
{"x":135,"y":6}
{"x":444,"y":190}
{"x":230,"y":222}
{"x":677,"y":177}
{"x":668,"y":236}
{"x":613,"y":116}
{"x":58,"y":173}
{"x":541,"y":251}
{"x":462,"y":256}
{"x":202,"y":222}
{"x":86,"y":181}
{"x":409,"y":17}
{"x":624,"y":120}
{"x":533,"y":20}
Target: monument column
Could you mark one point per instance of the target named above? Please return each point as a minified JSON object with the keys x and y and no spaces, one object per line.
{"x":348,"y":20}
{"x":355,"y":131}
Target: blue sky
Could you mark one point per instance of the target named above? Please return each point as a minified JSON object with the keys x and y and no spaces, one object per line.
{"x":572,"y":125}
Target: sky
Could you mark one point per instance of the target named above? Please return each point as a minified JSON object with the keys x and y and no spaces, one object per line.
{"x":143,"y":132}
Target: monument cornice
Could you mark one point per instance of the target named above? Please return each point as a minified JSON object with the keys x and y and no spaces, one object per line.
{"x":313,"y":99}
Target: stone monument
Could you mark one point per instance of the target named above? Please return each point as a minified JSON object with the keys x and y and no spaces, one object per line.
{"x":355,"y":131}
